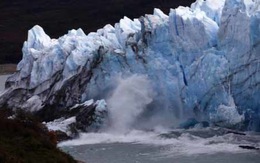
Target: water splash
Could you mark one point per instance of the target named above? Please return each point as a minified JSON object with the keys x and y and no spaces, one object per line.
{"x":128,"y":101}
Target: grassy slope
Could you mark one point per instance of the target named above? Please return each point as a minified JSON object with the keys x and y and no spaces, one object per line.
{"x":26,"y":140}
{"x":57,"y":16}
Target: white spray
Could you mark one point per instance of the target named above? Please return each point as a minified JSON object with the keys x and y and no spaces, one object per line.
{"x":128,"y":101}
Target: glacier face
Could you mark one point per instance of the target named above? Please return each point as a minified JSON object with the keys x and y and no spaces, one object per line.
{"x":202,"y":61}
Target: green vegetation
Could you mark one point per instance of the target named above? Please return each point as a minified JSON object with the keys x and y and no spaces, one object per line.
{"x":24,"y":139}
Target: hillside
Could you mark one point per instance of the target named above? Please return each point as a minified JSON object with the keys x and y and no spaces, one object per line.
{"x":24,"y":139}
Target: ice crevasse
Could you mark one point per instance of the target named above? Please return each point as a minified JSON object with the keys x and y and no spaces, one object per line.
{"x":203,"y":62}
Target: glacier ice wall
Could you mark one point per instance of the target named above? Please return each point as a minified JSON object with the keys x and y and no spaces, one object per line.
{"x":198,"y":58}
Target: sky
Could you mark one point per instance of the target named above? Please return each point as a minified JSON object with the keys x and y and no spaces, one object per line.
{"x":59,"y":16}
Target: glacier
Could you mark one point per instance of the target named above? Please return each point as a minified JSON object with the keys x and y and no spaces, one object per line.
{"x":202,"y":62}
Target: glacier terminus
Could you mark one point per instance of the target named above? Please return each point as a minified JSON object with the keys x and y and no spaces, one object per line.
{"x":196,"y":63}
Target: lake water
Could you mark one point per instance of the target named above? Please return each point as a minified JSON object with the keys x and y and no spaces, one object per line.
{"x":139,"y":153}
{"x":2,"y":81}
{"x":140,"y":147}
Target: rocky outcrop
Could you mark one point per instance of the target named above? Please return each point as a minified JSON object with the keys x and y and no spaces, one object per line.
{"x":85,"y":117}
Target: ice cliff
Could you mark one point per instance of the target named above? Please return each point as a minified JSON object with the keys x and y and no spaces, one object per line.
{"x":203,"y":62}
